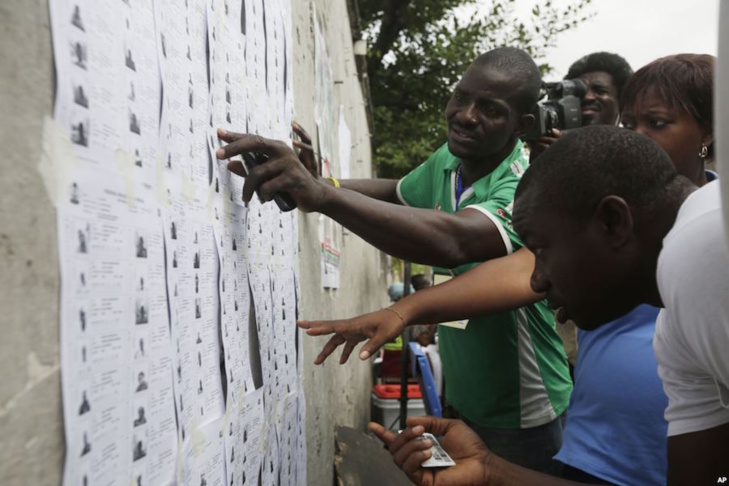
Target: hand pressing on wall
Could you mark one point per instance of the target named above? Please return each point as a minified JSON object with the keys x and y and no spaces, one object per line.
{"x":306,"y":150}
{"x":380,"y":327}
{"x":495,"y":286}
{"x":370,"y":208}
{"x":282,"y":173}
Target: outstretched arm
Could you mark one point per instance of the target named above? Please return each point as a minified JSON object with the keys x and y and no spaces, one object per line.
{"x":419,"y":235}
{"x":497,"y":285}
{"x":381,"y":189}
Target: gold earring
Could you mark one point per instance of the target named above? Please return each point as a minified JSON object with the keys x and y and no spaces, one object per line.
{"x":704,"y":151}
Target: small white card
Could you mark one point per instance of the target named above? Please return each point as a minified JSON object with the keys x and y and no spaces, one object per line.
{"x":439,"y":457}
{"x":456,"y":324}
{"x":437,"y":280}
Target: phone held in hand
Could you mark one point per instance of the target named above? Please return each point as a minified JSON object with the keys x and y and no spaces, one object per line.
{"x":251,"y":160}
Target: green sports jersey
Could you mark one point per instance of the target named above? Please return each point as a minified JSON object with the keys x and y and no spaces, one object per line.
{"x":507,"y":370}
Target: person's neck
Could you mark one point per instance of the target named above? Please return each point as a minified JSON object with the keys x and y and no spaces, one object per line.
{"x":655,"y":231}
{"x":701,"y":179}
{"x":695,"y":172}
{"x":474,"y":169}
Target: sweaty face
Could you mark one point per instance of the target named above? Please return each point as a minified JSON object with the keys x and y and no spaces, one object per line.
{"x":481,"y":116}
{"x":576,"y":268}
{"x":673,"y":128}
{"x":600,"y":104}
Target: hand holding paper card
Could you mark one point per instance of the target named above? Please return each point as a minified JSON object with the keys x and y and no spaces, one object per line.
{"x":411,"y":451}
{"x":438,"y":456}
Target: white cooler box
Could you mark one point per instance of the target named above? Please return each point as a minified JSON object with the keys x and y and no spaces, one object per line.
{"x":386,"y":411}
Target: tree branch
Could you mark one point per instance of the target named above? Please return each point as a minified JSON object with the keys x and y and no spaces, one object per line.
{"x":393,"y":22}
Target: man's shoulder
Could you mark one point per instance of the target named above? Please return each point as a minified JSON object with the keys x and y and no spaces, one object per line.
{"x":693,"y":269}
{"x":442,"y":157}
{"x":693,"y":281}
{"x":509,"y":171}
{"x":702,"y":202}
{"x":516,"y":164}
{"x":697,"y":240}
{"x":439,"y":160}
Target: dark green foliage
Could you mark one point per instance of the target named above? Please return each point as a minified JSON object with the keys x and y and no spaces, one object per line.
{"x":418,"y":51}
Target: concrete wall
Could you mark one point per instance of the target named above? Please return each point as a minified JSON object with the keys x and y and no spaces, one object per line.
{"x":334,"y":394}
{"x":31,"y":424}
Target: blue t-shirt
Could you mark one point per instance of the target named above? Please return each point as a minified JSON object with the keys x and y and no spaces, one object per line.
{"x":615,"y":428}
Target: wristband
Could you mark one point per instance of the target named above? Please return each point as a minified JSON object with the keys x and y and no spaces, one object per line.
{"x":334,"y":182}
{"x":404,"y":324}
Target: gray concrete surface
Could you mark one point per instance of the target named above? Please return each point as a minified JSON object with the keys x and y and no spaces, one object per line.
{"x":336,"y":395}
{"x":31,"y":424}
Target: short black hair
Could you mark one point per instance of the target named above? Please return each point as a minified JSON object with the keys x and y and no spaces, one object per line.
{"x":519,"y":64}
{"x":681,"y":81}
{"x":590,"y":163}
{"x":616,"y":66}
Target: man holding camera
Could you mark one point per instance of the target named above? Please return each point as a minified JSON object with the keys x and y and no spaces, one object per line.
{"x":506,"y":374}
{"x":604,"y":75}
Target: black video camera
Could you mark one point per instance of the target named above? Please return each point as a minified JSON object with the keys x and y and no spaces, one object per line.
{"x":561,"y":110}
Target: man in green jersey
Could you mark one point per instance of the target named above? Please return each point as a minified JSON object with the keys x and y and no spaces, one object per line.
{"x":507,"y":374}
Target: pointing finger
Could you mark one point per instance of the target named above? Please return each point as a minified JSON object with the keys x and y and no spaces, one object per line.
{"x":348,"y":348}
{"x":385,"y":435}
{"x":319,"y":328}
{"x":329,"y":348}
{"x":236,"y":167}
{"x":242,"y":143}
{"x":302,"y":145}
{"x":371,"y":346}
{"x":415,"y":460}
{"x":404,"y":437}
{"x":299,"y":130}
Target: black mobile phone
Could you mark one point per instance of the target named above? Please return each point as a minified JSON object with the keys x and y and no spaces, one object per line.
{"x":251,"y":160}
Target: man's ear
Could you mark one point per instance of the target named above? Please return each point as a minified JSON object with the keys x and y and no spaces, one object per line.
{"x":615,"y":219}
{"x":525,"y":123}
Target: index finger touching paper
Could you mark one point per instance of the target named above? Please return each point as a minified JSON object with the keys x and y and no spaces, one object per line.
{"x":243,"y":143}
